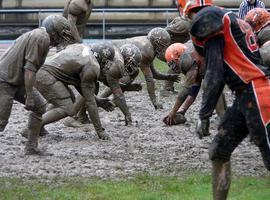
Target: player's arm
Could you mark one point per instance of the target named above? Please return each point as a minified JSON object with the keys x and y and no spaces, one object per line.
{"x":214,"y":76}
{"x":88,"y":83}
{"x":150,"y":84}
{"x":208,"y":28}
{"x":213,"y":83}
{"x":29,"y":81}
{"x":186,"y":96}
{"x":72,"y":20}
{"x":193,"y":80}
{"x":160,"y":76}
{"x":113,"y":76}
{"x":36,"y":52}
{"x":74,"y":11}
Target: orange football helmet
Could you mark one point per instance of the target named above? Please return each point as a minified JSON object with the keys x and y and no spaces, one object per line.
{"x":185,"y":6}
{"x":258,"y":18}
{"x":174,"y":51}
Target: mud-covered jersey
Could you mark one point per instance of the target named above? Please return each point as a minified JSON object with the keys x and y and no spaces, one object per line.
{"x":67,"y":65}
{"x":230,"y":50}
{"x":32,"y":48}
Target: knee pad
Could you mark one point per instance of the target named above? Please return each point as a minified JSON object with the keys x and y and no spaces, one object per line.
{"x":217,"y":151}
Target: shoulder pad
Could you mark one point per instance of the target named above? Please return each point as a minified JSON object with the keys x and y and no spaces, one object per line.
{"x":264,"y":35}
{"x":208,"y":22}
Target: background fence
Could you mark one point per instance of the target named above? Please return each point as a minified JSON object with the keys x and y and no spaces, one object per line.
{"x":104,"y":23}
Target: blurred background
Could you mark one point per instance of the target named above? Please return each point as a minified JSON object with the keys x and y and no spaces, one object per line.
{"x":110,"y":19}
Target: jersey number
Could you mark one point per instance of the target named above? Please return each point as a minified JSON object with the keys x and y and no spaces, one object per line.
{"x":250,"y":37}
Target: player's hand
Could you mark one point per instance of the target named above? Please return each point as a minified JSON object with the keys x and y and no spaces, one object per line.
{"x":173,"y":119}
{"x":173,"y":77}
{"x":169,"y":119}
{"x":202,"y":128}
{"x":103,"y":135}
{"x":106,"y":104}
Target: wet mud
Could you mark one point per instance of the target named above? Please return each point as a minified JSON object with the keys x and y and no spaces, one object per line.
{"x":147,"y":146}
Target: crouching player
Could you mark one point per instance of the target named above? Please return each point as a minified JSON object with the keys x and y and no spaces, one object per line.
{"x":181,"y":60}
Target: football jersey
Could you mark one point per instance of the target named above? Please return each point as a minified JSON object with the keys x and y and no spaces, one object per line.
{"x":241,"y":52}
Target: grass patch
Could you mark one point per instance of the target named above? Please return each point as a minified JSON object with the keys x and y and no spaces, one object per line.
{"x":160,"y":66}
{"x":195,"y":186}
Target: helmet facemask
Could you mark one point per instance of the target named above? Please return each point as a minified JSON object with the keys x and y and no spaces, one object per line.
{"x":132,"y":58}
{"x":173,"y":65}
{"x":173,"y":54}
{"x":160,"y":46}
{"x":131,"y":66}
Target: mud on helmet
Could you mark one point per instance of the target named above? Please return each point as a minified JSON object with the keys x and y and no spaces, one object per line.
{"x":258,"y":18}
{"x":186,"y":6}
{"x":179,"y":29}
{"x":103,"y":52}
{"x":173,"y":54}
{"x":59,"y":30}
{"x":159,"y":37}
{"x":132,"y":58}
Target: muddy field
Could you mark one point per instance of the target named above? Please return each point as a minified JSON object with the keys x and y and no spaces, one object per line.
{"x":147,"y":146}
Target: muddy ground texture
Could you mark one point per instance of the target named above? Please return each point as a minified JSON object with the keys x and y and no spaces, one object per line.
{"x":148,"y":146}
